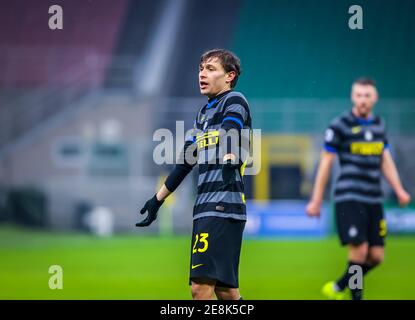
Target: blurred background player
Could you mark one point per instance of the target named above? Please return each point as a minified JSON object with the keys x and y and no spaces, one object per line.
{"x":219,"y":213}
{"x":359,"y":139}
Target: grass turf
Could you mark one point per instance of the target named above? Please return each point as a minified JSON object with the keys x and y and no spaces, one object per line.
{"x":150,"y":267}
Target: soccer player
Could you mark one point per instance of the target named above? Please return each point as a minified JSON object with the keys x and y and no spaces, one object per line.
{"x":219,"y":213}
{"x":358,"y":138}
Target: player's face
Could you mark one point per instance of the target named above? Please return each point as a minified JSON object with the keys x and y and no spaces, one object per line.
{"x":364,"y":97}
{"x":213,"y":79}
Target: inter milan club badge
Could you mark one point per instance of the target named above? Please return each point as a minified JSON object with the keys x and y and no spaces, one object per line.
{"x":368,"y":135}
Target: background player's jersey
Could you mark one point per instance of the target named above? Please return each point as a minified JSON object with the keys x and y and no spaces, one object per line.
{"x":213,"y":199}
{"x":359,"y":144}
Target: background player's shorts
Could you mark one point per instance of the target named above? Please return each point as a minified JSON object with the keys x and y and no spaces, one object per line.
{"x":359,"y":222}
{"x":215,"y":251}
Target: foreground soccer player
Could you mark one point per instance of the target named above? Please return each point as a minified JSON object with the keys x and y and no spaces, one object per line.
{"x":358,"y":138}
{"x":219,"y":213}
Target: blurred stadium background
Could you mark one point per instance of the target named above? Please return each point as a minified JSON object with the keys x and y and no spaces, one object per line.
{"x":79,"y":106}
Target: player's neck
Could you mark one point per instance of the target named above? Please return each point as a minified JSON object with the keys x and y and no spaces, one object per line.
{"x":361,"y":116}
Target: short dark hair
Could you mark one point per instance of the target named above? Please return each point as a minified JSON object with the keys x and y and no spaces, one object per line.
{"x":365,"y":81}
{"x":228,"y":60}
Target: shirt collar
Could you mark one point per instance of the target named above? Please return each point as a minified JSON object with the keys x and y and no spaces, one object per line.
{"x":363,"y":121}
{"x":217,"y":97}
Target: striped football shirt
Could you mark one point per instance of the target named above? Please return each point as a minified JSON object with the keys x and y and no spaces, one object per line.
{"x":359,"y":144}
{"x":213,"y":199}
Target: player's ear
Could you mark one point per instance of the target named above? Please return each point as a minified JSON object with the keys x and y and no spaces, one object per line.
{"x":230,"y":76}
{"x":376,"y":95}
{"x":352,"y":93}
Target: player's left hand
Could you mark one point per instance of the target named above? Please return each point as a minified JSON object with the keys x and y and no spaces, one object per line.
{"x":403,"y":197}
{"x":152,"y":206}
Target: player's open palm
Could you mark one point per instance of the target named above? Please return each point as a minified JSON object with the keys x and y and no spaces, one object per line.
{"x":313,"y":209}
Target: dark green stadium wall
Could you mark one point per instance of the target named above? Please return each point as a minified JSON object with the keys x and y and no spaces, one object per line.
{"x":305,"y":49}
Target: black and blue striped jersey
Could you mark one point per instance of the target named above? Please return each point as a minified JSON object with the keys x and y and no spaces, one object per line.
{"x":213,"y":199}
{"x":359,"y":144}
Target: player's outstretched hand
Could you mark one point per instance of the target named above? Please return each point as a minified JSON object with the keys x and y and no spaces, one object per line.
{"x":403,"y":197}
{"x":313,"y":209}
{"x":152,"y":206}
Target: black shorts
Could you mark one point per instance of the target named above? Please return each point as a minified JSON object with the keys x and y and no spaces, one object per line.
{"x":215,"y":250}
{"x":359,"y":222}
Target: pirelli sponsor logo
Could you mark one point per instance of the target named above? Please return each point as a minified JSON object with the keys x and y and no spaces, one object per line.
{"x":367,"y":148}
{"x":207,"y":139}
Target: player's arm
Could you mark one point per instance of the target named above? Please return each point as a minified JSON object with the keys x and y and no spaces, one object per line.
{"x":175,"y":178}
{"x":390,"y":172}
{"x":332,"y":142}
{"x":233,"y":122}
{"x":231,"y":158}
{"x":323,"y":174}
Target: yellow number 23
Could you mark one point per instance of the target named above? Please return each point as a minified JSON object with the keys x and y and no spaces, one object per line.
{"x":201,"y":238}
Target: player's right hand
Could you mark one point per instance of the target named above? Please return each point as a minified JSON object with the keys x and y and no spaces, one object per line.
{"x":313,"y":209}
{"x":152,"y":206}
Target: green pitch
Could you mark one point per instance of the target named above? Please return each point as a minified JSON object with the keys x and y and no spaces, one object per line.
{"x":144,"y":267}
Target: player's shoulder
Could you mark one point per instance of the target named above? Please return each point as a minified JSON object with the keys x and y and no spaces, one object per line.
{"x":201,"y":111}
{"x":379,"y":120}
{"x":235,"y":97}
{"x":342,"y":121}
{"x":235,"y":94}
{"x":380,"y":124}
